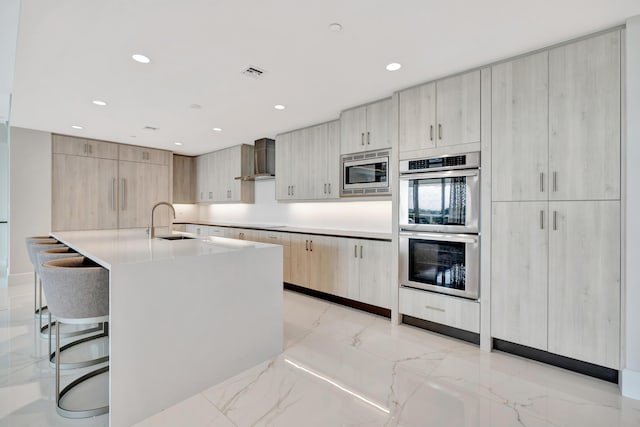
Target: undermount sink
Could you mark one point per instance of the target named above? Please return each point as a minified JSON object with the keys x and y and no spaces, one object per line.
{"x":176,"y":237}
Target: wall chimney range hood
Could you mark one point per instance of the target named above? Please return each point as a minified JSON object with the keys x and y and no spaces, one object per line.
{"x":264,"y":160}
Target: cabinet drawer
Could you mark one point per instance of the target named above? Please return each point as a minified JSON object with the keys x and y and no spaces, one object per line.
{"x":133,"y":153}
{"x":456,"y":312}
{"x":275,"y":238}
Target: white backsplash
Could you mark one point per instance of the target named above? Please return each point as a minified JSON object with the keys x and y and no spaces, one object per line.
{"x":343,"y":215}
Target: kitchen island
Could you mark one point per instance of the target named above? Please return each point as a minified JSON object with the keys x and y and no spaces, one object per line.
{"x":184,"y":314}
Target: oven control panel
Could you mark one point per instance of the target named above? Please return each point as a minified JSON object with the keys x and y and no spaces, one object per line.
{"x":459,"y":161}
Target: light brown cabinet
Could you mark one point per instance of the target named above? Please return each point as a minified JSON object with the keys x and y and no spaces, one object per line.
{"x":92,"y":189}
{"x":184,"y":179}
{"x":443,"y":113}
{"x":219,"y":172}
{"x":369,"y":271}
{"x":308,"y":163}
{"x":132,"y":153}
{"x":366,"y":128}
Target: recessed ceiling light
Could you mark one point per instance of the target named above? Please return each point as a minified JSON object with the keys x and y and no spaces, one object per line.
{"x":178,"y":143}
{"x":100,"y":103}
{"x":279,"y":107}
{"x":77,"y":127}
{"x":195,"y":106}
{"x":394,"y":66}
{"x":218,"y":129}
{"x":335,"y":27}
{"x":140,"y":58}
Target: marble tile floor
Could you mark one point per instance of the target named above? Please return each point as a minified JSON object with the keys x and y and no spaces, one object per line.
{"x":340,"y":367}
{"x":343,"y":367}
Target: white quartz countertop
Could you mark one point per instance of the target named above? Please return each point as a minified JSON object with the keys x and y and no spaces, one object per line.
{"x":288,"y":229}
{"x":132,"y":246}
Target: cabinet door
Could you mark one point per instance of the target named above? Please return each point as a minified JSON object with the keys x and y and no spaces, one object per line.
{"x":284,"y":240}
{"x":299,"y":268}
{"x":417,"y":118}
{"x":519,"y":248}
{"x":353,"y":130}
{"x":316,"y":141}
{"x":202,"y":171}
{"x":352,"y":278}
{"x":584,"y":119}
{"x":84,"y":193}
{"x":102,"y":149}
{"x":284,"y":165}
{"x":458,"y":107}
{"x":332,"y":160}
{"x":63,"y":144}
{"x":143,"y":185}
{"x":378,"y":125}
{"x":184,"y":179}
{"x":519,"y":130}
{"x":327,"y":265}
{"x":214,"y":173}
{"x":375,"y":272}
{"x":584,"y":281}
{"x":304,"y":185}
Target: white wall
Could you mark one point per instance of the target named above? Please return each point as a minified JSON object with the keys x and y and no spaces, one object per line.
{"x":4,"y":199}
{"x":29,"y":194}
{"x":346,"y":215}
{"x":631,"y":296}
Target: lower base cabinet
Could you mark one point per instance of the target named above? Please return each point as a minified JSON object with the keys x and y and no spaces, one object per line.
{"x":369,"y":271}
{"x":555,"y":277}
{"x":447,"y":310}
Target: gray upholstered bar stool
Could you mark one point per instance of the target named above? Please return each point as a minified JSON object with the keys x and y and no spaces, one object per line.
{"x":33,"y":247}
{"x":77,"y":290}
{"x":61,"y":253}
{"x":28,"y":242}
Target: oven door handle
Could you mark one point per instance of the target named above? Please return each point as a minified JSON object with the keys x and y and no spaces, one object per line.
{"x":442,"y":237}
{"x":442,"y":174}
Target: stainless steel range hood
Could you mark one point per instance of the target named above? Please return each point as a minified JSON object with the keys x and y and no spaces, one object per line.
{"x":264,"y":160}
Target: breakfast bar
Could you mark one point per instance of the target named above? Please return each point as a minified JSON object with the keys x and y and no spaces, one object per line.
{"x":184,"y":314}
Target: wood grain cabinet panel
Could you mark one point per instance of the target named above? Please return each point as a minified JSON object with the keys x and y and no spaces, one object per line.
{"x":184,"y":179}
{"x":366,"y":128}
{"x":519,"y":236}
{"x":417,"y":118}
{"x":520,"y":129}
{"x":458,"y":109}
{"x":584,"y":281}
{"x":133,"y":153}
{"x":584,"y":119}
{"x":451,"y":311}
{"x":142,"y":185}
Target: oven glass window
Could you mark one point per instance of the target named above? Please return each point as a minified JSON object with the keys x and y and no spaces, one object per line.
{"x":438,"y":201}
{"x":366,"y":174}
{"x":437,"y":263}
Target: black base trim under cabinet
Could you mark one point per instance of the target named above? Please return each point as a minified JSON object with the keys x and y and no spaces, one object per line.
{"x":450,"y":331}
{"x":586,"y":368}
{"x":385,"y":312}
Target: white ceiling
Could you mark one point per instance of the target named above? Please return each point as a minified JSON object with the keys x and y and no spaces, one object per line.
{"x":71,"y":52}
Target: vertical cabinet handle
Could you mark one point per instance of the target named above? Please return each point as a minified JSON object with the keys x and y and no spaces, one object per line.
{"x":90,"y":148}
{"x":542,"y":182}
{"x":368,"y":138}
{"x":362,"y":138}
{"x":325,"y":188}
{"x":310,"y":245}
{"x":201,"y":196}
{"x":430,"y":132}
{"x":210,"y":195}
{"x":306,"y":245}
{"x":123,"y":194}
{"x":329,"y":188}
{"x":555,"y":220}
{"x":439,"y":131}
{"x":355,"y":251}
{"x":113,"y":194}
{"x":85,"y":148}
{"x":555,"y":181}
{"x":541,"y":220}
{"x":293,"y":190}
{"x":360,"y":251}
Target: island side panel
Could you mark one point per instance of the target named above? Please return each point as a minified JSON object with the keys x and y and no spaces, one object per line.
{"x":181,"y":326}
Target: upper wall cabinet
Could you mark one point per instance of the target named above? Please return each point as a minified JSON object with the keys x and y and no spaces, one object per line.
{"x":438,"y":114}
{"x":520,"y":129}
{"x":131,"y":153}
{"x":584,"y":119}
{"x":366,"y":128}
{"x":184,"y":179}
{"x":308,"y":163}
{"x":218,"y":175}
{"x":70,"y":145}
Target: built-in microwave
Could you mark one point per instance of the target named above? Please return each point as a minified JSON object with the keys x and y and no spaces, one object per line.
{"x":365,"y":174}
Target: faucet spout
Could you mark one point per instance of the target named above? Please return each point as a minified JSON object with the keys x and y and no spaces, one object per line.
{"x":151,"y":232}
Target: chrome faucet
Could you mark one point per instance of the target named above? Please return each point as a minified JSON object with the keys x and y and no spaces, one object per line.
{"x":151,"y":232}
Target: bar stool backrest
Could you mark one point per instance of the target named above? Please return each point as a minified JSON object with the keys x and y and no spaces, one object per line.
{"x":76,"y":289}
{"x":36,"y":246}
{"x":55,"y":253}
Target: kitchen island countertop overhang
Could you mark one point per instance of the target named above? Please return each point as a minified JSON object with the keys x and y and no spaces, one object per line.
{"x":184,"y":314}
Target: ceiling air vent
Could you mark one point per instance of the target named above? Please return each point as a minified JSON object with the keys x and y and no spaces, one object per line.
{"x":254,"y":72}
{"x":150,"y":128}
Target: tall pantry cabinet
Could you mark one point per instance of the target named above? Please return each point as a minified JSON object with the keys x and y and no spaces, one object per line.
{"x":103,"y":185}
{"x":555,"y":245}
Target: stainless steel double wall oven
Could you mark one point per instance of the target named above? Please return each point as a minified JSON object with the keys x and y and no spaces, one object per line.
{"x":439,"y":213}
